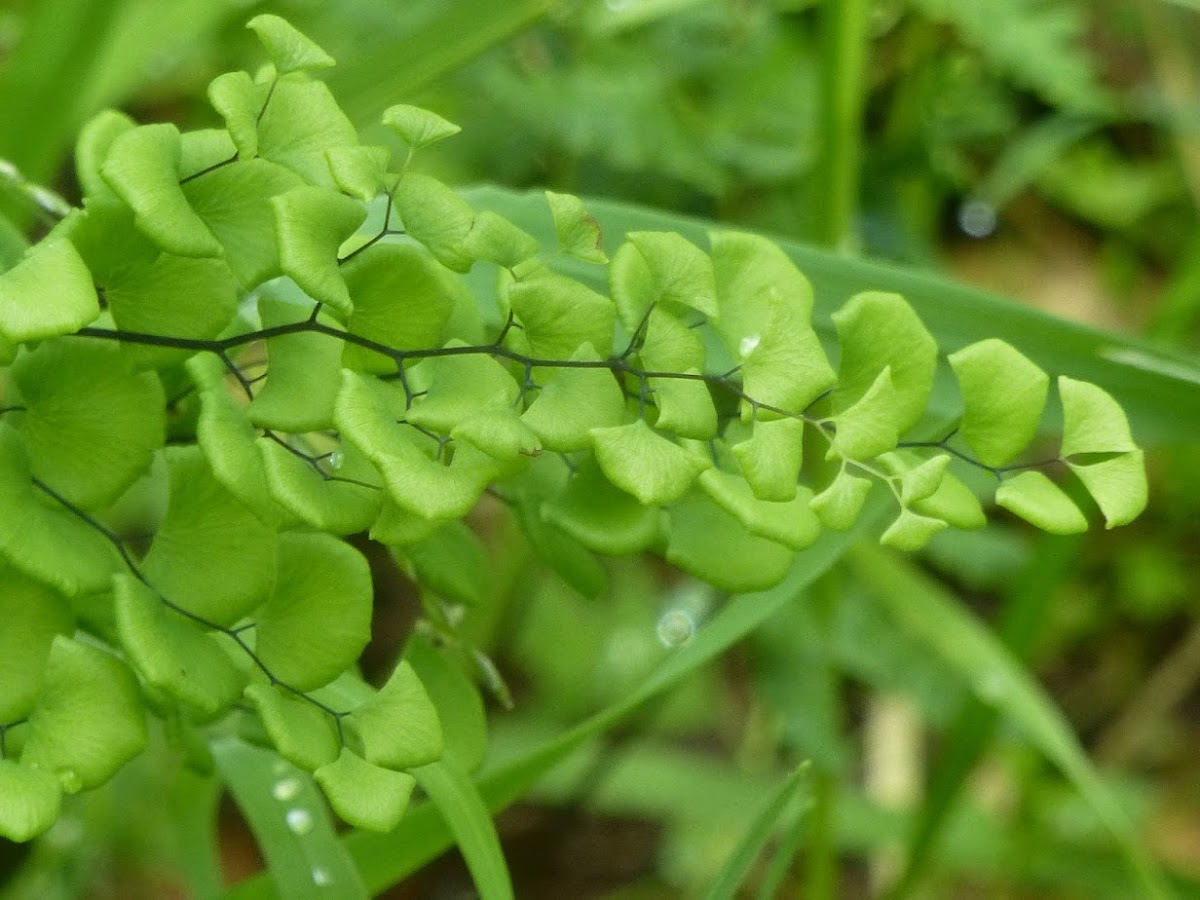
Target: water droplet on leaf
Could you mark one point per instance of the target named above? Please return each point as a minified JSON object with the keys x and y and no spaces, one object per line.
{"x":977,"y":218}
{"x":675,"y":628}
{"x":286,"y":789}
{"x":749,"y":342}
{"x":299,"y":821}
{"x":71,"y":781}
{"x":336,"y":458}
{"x":321,"y":877}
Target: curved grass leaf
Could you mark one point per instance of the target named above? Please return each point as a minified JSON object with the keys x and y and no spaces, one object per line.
{"x":305,"y":859}
{"x":734,"y":872}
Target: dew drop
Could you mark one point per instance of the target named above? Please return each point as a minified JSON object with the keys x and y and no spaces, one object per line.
{"x":71,"y":781}
{"x":977,"y":218}
{"x":286,"y":789}
{"x":992,"y":685}
{"x":749,"y":342}
{"x":336,"y":458}
{"x":299,"y":821}
{"x":321,"y":877}
{"x":675,"y":628}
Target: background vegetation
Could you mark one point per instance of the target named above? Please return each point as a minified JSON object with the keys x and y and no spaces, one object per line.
{"x":1045,"y":150}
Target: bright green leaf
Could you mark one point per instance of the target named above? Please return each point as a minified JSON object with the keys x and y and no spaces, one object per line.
{"x":954,"y":502}
{"x":461,"y":386}
{"x":89,"y":720}
{"x":601,"y":516}
{"x":1118,"y":486}
{"x":41,"y":537}
{"x":451,"y":562}
{"x":791,"y":523}
{"x":32,"y":614}
{"x":300,"y":124}
{"x":340,"y":507}
{"x":32,"y":800}
{"x":911,"y":531}
{"x":228,"y":441}
{"x":235,"y":203}
{"x":1003,"y":397}
{"x":403,"y":299}
{"x":572,"y":401}
{"x":359,"y":171}
{"x":289,"y":50}
{"x":173,"y":653}
{"x":783,"y":366}
{"x":771,"y":457}
{"x":202,"y":152}
{"x":318,"y":618}
{"x":143,"y":168}
{"x":303,"y":374}
{"x":495,"y":239}
{"x":364,"y":795}
{"x":303,"y":733}
{"x":48,"y":293}
{"x":1093,"y":422}
{"x":840,"y":503}
{"x":706,"y":541}
{"x":869,"y":426}
{"x":878,"y":331}
{"x":399,"y":726}
{"x":239,"y":99}
{"x":311,"y":224}
{"x":749,"y":270}
{"x":558,"y":315}
{"x":91,"y":425}
{"x":647,"y":465}
{"x":211,"y":555}
{"x":680,"y":271}
{"x":685,"y":407}
{"x":421,"y":485}
{"x":91,"y":147}
{"x":437,"y":217}
{"x":418,"y":127}
{"x":456,"y":697}
{"x":577,"y":232}
{"x":1038,"y":500}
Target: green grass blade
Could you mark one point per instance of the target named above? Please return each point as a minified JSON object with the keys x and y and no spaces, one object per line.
{"x":450,"y":36}
{"x":457,"y":799}
{"x":1159,"y":390}
{"x":756,"y":836}
{"x":1024,"y":612}
{"x":289,"y":819}
{"x":193,"y":801}
{"x":934,"y":619}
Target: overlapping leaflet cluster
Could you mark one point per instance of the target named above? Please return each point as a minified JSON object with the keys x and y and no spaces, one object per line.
{"x":257,"y":338}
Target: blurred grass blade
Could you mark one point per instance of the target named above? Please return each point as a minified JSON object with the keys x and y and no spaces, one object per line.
{"x":385,"y":859}
{"x":1021,"y":621}
{"x":781,"y":859}
{"x":755,"y":839}
{"x":75,"y":57}
{"x":449,"y":36}
{"x":935,"y":620}
{"x":1159,"y":390}
{"x":193,"y":802}
{"x":455,"y":795}
{"x":291,"y":823}
{"x":60,"y":44}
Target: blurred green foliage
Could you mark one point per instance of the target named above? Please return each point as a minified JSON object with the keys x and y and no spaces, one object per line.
{"x":1006,"y":122}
